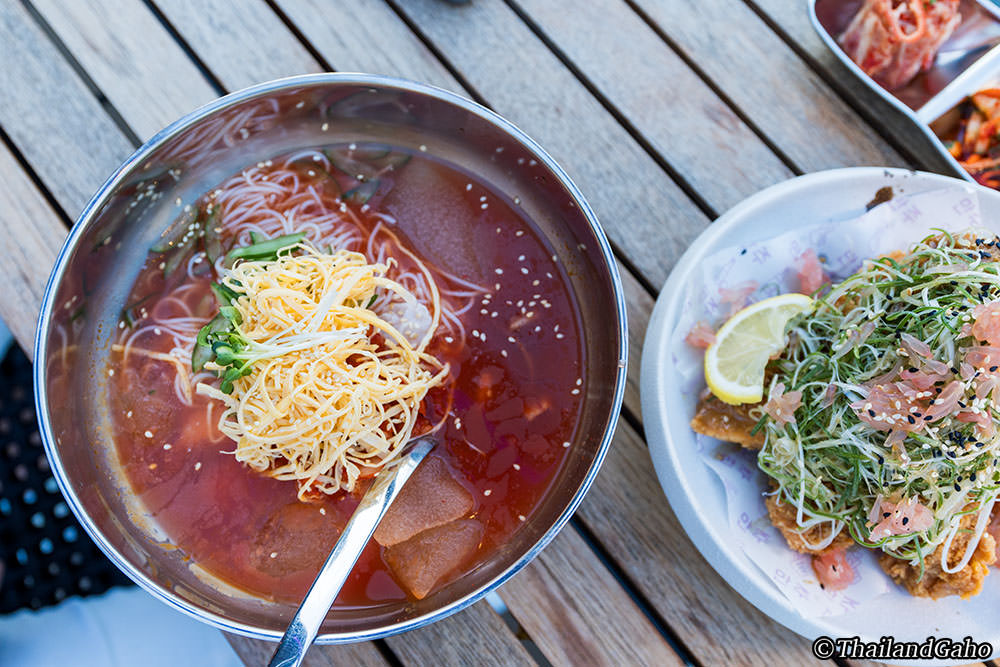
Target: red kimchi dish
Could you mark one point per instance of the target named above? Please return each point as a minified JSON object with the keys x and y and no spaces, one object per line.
{"x":894,"y":40}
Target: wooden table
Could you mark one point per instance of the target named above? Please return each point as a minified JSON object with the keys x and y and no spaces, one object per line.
{"x":665,"y":112}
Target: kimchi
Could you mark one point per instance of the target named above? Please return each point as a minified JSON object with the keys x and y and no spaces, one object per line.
{"x":893,"y":40}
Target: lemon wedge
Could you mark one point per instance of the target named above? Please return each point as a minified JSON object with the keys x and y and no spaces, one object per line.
{"x":734,"y":363}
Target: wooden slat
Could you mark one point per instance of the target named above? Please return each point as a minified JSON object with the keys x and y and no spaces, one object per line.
{"x":476,"y":636}
{"x":770,"y":84}
{"x":639,"y":306}
{"x":33,"y":234}
{"x":704,"y":141}
{"x":258,"y":652}
{"x":644,"y":212}
{"x":366,"y":37}
{"x":51,"y":116}
{"x":131,"y":57}
{"x":568,"y":616}
{"x":627,"y":512}
{"x":792,"y":18}
{"x":242,"y":43}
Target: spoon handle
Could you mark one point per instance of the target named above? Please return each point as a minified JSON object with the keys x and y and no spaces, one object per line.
{"x":305,"y":625}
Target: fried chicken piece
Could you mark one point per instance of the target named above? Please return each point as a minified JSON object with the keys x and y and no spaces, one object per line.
{"x":936,"y":583}
{"x":783,"y":517}
{"x":731,"y":423}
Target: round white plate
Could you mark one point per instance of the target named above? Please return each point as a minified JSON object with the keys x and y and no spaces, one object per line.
{"x":696,"y":494}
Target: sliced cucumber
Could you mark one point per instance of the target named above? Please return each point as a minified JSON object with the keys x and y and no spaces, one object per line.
{"x":363,"y":192}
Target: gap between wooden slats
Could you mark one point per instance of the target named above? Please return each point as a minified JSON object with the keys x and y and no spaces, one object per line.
{"x":249,"y":42}
{"x":790,"y":20}
{"x":366,"y":37}
{"x":609,"y":588}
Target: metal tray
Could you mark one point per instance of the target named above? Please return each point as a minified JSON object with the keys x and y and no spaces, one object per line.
{"x":967,"y":62}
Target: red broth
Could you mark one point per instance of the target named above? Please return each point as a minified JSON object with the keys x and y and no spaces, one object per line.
{"x":517,"y":383}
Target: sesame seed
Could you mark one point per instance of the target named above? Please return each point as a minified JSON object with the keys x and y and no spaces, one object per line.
{"x":167,"y":446}
{"x":274,"y":554}
{"x":566,"y":444}
{"x":517,"y":466}
{"x":520,"y":517}
{"x":148,"y":434}
{"x":487,"y":492}
{"x":499,"y":271}
{"x":197,"y":466}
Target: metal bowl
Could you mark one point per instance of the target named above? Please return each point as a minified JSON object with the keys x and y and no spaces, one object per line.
{"x":106,"y":247}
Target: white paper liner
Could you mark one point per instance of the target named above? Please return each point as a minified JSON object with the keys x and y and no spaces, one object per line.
{"x":842,"y":245}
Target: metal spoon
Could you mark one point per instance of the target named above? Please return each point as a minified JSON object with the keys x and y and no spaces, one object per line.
{"x":302,"y":631}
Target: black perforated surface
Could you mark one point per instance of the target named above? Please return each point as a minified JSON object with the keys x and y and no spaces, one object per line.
{"x":46,"y":556}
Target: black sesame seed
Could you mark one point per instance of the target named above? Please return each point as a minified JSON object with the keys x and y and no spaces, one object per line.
{"x":885,"y":515}
{"x":871,"y":413}
{"x":910,"y":419}
{"x":912,"y":369}
{"x":958,"y":488}
{"x":954,"y":370}
{"x":993,"y":369}
{"x":928,"y":418}
{"x":906,"y":520}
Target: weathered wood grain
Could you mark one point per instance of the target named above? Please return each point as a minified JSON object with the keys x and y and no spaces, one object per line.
{"x":258,"y":652}
{"x":770,"y":84}
{"x":696,"y":132}
{"x":476,"y":636}
{"x":792,"y":18}
{"x":51,"y":115}
{"x":132,"y":58}
{"x":627,"y":512}
{"x":242,"y":43}
{"x":563,"y":601}
{"x":367,"y":37}
{"x":34,"y":233}
{"x":645,"y":213}
{"x":638,"y":307}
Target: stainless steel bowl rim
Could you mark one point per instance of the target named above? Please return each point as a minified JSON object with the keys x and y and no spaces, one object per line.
{"x":184,"y":123}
